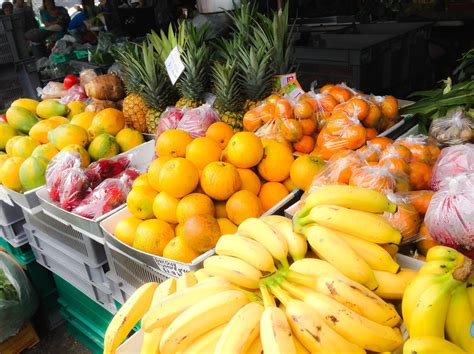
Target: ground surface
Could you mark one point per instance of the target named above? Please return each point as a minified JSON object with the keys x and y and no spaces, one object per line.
{"x":58,"y":341}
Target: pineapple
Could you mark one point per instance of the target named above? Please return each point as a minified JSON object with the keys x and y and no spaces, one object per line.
{"x":226,"y":88}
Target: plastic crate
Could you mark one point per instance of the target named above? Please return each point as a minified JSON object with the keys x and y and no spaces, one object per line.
{"x":121,"y":292}
{"x":24,"y":339}
{"x":8,"y":47}
{"x":41,"y":278}
{"x":28,"y":201}
{"x":9,"y":214}
{"x":81,"y":54}
{"x":92,"y":252}
{"x":23,"y":254}
{"x":48,"y":249}
{"x":85,"y":335}
{"x":48,"y":316}
{"x":61,"y":58}
{"x":14,"y":233}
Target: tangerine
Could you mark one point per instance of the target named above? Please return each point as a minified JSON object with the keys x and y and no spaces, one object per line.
{"x":305,"y":144}
{"x":326,"y":88}
{"x":371,"y":133}
{"x":374,"y":116}
{"x":283,"y":109}
{"x":390,"y":107}
{"x":420,"y":175}
{"x":372,"y":177}
{"x":340,"y":93}
{"x":252,"y":121}
{"x":309,"y":126}
{"x":303,"y":109}
{"x":291,"y":130}
{"x":381,"y":141}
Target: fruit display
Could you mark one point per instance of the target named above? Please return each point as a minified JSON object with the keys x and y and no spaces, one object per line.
{"x":36,"y":131}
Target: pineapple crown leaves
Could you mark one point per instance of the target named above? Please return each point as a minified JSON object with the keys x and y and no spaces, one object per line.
{"x":226,"y":86}
{"x":128,"y":58}
{"x":164,"y":43}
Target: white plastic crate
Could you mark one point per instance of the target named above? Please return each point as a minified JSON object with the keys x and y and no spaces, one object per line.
{"x":10,"y":214}
{"x":28,"y":201}
{"x":14,"y":233}
{"x":142,"y":157}
{"x":92,"y":252}
{"x":120,"y":291}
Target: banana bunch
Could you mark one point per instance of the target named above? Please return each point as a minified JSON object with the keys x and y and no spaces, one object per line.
{"x":439,"y":302}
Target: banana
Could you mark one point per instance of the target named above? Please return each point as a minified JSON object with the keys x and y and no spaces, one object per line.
{"x":353,"y":327}
{"x":128,"y":316}
{"x":375,"y":255}
{"x":241,"y":330}
{"x":330,"y":247}
{"x":185,"y":281}
{"x":297,"y":244}
{"x":233,"y":269}
{"x":430,"y":345}
{"x":261,"y":232}
{"x":200,"y":318}
{"x":255,"y":347}
{"x":275,"y":332}
{"x":437,"y":267}
{"x":151,"y":340}
{"x":246,"y":249}
{"x":470,"y":290}
{"x":314,"y":267}
{"x":392,"y":286}
{"x":299,"y":348}
{"x":359,"y":299}
{"x":391,"y":248}
{"x":205,"y":343}
{"x":171,"y":306}
{"x":460,"y":319}
{"x":368,"y":226}
{"x":348,"y":197}
{"x":429,"y":315}
{"x":200,"y":275}
{"x":442,"y":253}
{"x":316,"y":336}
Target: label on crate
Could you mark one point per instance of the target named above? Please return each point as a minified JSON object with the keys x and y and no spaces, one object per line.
{"x":4,"y":197}
{"x":174,"y":65}
{"x":170,"y":268}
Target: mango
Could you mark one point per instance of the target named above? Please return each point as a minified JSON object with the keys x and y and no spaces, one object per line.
{"x":40,"y":130}
{"x":109,"y":120}
{"x":6,"y":133}
{"x":32,"y":173}
{"x":67,"y":134}
{"x":26,"y":103}
{"x":75,"y":107}
{"x":103,"y":146}
{"x":129,"y":138}
{"x":10,"y":173}
{"x":83,"y":119}
{"x":59,"y":119}
{"x":10,"y":143}
{"x":24,"y":147}
{"x":46,"y":151}
{"x":85,"y":159}
{"x":21,"y":119}
{"x":50,"y":108}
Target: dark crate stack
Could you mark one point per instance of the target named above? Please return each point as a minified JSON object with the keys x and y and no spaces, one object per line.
{"x":18,"y":74}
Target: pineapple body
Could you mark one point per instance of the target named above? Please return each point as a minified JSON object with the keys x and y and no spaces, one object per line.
{"x":134,"y":111}
{"x":234,"y":119}
{"x":152,"y":118}
{"x":187,"y":103}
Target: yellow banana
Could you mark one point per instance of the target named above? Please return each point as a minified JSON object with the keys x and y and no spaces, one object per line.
{"x":359,"y":299}
{"x":391,"y":248}
{"x":392,"y":286}
{"x":171,"y":306}
{"x":437,"y":267}
{"x":275,"y":332}
{"x":261,"y":232}
{"x":460,"y":319}
{"x":200,"y":318}
{"x":200,"y":275}
{"x":368,"y":226}
{"x":185,"y":281}
{"x":375,"y":255}
{"x":151,"y":340}
{"x":330,"y":247}
{"x":255,"y":347}
{"x":429,"y":314}
{"x":246,"y":249}
{"x":234,"y":270}
{"x":241,"y":330}
{"x":348,"y":197}
{"x":442,"y":253}
{"x":353,"y":327}
{"x":470,"y":290}
{"x":128,"y":316}
{"x":314,"y":267}
{"x":205,"y":343}
{"x":430,"y":345}
{"x":297,"y":244}
{"x":299,"y":348}
{"x":316,"y":336}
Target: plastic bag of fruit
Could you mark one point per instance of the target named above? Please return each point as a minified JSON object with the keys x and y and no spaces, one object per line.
{"x":55,"y":170}
{"x":169,"y":119}
{"x":453,"y":160}
{"x":196,"y":121}
{"x":317,"y":106}
{"x":99,"y":171}
{"x":107,"y":196}
{"x":74,"y":186}
{"x":454,"y":129}
{"x":450,"y":215}
{"x":255,"y":118}
{"x":406,"y":219}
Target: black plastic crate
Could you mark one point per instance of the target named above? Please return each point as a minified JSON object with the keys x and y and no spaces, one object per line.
{"x":18,"y":80}
{"x":13,"y":45}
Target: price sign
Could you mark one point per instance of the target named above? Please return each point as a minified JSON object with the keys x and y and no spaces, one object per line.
{"x":174,"y":65}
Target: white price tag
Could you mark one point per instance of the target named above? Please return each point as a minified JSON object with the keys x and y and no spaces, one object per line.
{"x":174,"y":65}
{"x":4,"y":197}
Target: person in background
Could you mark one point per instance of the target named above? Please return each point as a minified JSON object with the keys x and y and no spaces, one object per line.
{"x":54,"y":18}
{"x":22,"y":8}
{"x":82,"y":20}
{"x":7,"y":8}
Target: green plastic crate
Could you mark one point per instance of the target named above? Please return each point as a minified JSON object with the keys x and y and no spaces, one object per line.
{"x":83,"y":334}
{"x":62,"y":58}
{"x":81,"y":54}
{"x":23,"y":254}
{"x":41,"y":278}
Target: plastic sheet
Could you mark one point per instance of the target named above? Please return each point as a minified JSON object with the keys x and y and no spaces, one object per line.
{"x":169,"y":120}
{"x":453,"y":160}
{"x":454,"y":129}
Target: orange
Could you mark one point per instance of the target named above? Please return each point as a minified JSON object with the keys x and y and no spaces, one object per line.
{"x":326,"y":88}
{"x":309,"y":126}
{"x":354,"y":136}
{"x":374,"y":116}
{"x":420,"y":200}
{"x":172,"y":142}
{"x":371,"y":133}
{"x":288,"y":183}
{"x":283,"y":109}
{"x":427,"y":241}
{"x":164,"y":207}
{"x":395,"y":165}
{"x":303,"y":109}
{"x":252,"y":121}
{"x":326,"y":102}
{"x":219,"y":206}
{"x":276,"y":163}
{"x":372,"y":177}
{"x":397,"y":150}
{"x":381,"y":141}
{"x":390,"y":107}
{"x":341,"y":94}
{"x":220,"y":132}
{"x":154,"y":170}
{"x":305,"y":144}
{"x":419,"y":151}
{"x":291,"y":130}
{"x":202,"y":151}
{"x":435,"y":151}
{"x":273,"y":98}
{"x":271,"y":193}
{"x":178,"y":177}
{"x":178,"y":230}
{"x":227,"y":227}
{"x":406,"y":220}
{"x":201,"y":232}
{"x":243,"y":205}
{"x":357,"y":107}
{"x":220,"y":180}
{"x":244,"y":150}
{"x":250,"y":180}
{"x":342,"y":164}
{"x":420,"y":175}
{"x":303,"y":170}
{"x":126,"y":229}
{"x":267,"y":112}
{"x":140,"y":202}
{"x":178,"y":250}
{"x":194,"y":204}
{"x":152,"y":236}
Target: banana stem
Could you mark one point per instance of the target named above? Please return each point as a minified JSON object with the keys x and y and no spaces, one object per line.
{"x":250,"y":294}
{"x":293,"y":290}
{"x":280,"y":294}
{"x":284,"y":265}
{"x":463,"y":272}
{"x":268,"y":299}
{"x":301,"y":279}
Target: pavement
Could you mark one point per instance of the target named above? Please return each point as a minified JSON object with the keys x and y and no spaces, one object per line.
{"x":58,"y":341}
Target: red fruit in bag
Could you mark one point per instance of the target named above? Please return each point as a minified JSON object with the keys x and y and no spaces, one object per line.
{"x":73,"y":188}
{"x":55,"y":171}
